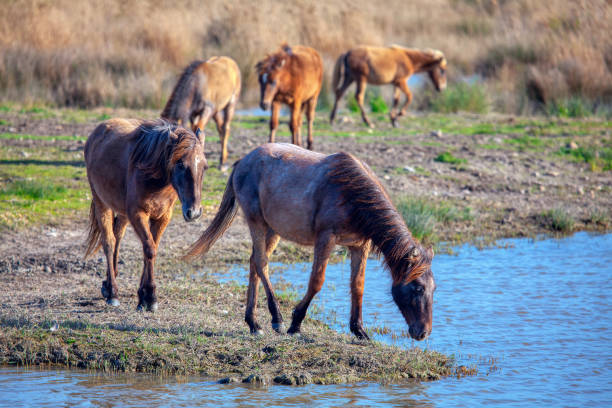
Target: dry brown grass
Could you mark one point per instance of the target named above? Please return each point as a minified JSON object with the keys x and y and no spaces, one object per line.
{"x":129,"y":52}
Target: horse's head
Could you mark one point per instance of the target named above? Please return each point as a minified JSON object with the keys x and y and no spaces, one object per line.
{"x":271,"y":71}
{"x":187,"y":167}
{"x":437,"y":70}
{"x":414,"y":293}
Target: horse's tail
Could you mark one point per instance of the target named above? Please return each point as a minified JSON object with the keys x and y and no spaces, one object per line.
{"x":339,"y":72}
{"x":93,"y":241}
{"x":223,"y":219}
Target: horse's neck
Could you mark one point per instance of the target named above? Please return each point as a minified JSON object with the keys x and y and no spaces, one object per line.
{"x":395,"y":244}
{"x":419,"y":59}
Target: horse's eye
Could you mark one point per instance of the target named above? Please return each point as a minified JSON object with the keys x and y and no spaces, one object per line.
{"x":419,"y":289}
{"x":180,"y":166}
{"x":442,"y":71}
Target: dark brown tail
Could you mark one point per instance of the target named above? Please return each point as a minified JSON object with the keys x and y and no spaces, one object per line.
{"x":339,"y":72}
{"x":93,"y":238}
{"x":223,"y":219}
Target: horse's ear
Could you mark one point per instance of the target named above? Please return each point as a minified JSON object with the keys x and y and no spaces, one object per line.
{"x":201,"y":136}
{"x":430,"y":251}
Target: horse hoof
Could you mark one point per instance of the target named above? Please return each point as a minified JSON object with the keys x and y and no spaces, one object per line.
{"x":152,"y":307}
{"x":224,"y":168}
{"x":258,"y":332}
{"x":278,"y":327}
{"x":104,"y":290}
{"x":112,"y":302}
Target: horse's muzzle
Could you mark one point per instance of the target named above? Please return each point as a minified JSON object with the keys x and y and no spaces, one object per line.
{"x":418,"y":333}
{"x":191,"y":214}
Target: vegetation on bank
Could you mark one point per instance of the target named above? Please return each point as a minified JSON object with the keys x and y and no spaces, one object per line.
{"x":555,"y":61}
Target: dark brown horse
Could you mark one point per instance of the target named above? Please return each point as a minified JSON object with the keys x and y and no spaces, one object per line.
{"x":322,"y":201}
{"x":293,"y":76}
{"x":385,"y":65}
{"x":136,"y":172}
{"x":206,"y":89}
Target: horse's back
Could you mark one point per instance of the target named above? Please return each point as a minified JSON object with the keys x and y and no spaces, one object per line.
{"x":380,"y":65}
{"x":281,"y":183}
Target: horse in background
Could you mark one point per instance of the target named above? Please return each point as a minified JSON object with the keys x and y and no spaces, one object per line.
{"x":293,"y":76}
{"x":385,"y":65}
{"x":206,"y":89}
{"x":322,"y":201}
{"x":137,"y":170}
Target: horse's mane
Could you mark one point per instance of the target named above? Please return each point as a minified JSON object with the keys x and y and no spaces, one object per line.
{"x":180,"y":92}
{"x":158,"y":145}
{"x":270,"y":59}
{"x":374,"y":216}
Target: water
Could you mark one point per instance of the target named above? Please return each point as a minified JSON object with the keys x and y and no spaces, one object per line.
{"x":534,"y":317}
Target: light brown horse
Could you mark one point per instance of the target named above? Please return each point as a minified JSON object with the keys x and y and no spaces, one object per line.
{"x":206,"y":89}
{"x":293,"y":76}
{"x":385,"y":65}
{"x":322,"y":201}
{"x":136,"y":172}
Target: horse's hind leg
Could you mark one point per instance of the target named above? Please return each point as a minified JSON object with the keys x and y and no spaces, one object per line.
{"x":264,"y":242}
{"x":119,"y":226}
{"x":360,"y":96}
{"x":311,"y":107}
{"x":105,"y":217}
{"x":339,"y":92}
{"x":359,"y":257}
{"x":295,"y":123}
{"x":324,"y":244}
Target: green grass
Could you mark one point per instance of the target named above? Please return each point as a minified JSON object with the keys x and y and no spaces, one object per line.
{"x":598,"y":158}
{"x":423,"y":217}
{"x":526,"y":142}
{"x":447,"y":157}
{"x":558,"y":220}
{"x":460,"y":97}
{"x":571,"y":108}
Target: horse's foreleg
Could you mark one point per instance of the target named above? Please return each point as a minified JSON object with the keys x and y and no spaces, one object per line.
{"x":359,"y":257}
{"x":105,"y":217}
{"x":119,"y":226}
{"x":274,"y":120}
{"x":310,"y":116}
{"x":323,"y":246}
{"x":203,"y":119}
{"x":396,"y":98}
{"x":404,"y":87}
{"x":228,"y":115}
{"x":295,"y":123}
{"x":146,"y":291}
{"x":360,"y":96}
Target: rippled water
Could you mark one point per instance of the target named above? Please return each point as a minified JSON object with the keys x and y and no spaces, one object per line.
{"x":535,"y":318}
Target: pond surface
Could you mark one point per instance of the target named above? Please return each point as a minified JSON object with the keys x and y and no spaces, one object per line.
{"x":535,"y":317}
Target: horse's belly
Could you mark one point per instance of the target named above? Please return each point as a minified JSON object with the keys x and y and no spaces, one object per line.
{"x":290,"y":226}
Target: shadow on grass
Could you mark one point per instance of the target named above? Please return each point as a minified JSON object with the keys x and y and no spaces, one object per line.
{"x":74,"y":163}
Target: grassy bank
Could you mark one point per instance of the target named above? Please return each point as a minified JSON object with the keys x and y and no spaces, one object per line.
{"x":455,"y":178}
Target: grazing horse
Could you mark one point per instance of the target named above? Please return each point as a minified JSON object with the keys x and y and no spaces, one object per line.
{"x":293,"y":76}
{"x":322,"y":201}
{"x":206,"y":89}
{"x":385,"y":65}
{"x":136,"y":171}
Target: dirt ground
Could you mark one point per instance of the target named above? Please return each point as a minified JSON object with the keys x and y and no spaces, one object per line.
{"x":46,"y":283}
